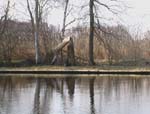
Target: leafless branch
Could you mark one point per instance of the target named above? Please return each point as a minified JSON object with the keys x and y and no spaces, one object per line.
{"x":69,"y":11}
{"x":106,"y":31}
{"x":102,"y":4}
{"x":70,"y":22}
{"x":109,"y":8}
{"x":5,"y":17}
{"x":31,"y":15}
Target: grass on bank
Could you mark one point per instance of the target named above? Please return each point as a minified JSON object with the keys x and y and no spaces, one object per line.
{"x":28,"y":65}
{"x":94,"y":68}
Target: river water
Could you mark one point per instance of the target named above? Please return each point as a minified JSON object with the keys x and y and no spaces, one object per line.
{"x":90,"y":95}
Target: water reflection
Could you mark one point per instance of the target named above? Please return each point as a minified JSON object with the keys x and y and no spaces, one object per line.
{"x":71,"y":86}
{"x":103,"y":95}
{"x":91,"y":85}
{"x":37,"y":97}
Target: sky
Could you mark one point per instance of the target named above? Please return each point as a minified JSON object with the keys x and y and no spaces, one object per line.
{"x":139,"y":14}
{"x":136,"y":16}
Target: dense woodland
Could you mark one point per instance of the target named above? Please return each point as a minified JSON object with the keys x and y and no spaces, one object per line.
{"x":32,"y":42}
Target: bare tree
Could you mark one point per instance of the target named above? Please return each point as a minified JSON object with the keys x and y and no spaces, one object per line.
{"x":3,"y":19}
{"x":94,"y":6}
{"x":3,"y":29}
{"x":91,"y":36}
{"x":65,"y":16}
{"x":67,"y":11}
{"x":36,"y":20}
{"x":8,"y":35}
{"x":36,"y":32}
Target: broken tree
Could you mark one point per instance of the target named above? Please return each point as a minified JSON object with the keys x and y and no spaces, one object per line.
{"x":70,"y":58}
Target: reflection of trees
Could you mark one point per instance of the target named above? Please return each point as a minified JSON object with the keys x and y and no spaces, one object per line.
{"x":61,"y":87}
{"x":71,"y":86}
{"x":37,"y":97}
{"x":6,"y":94}
{"x":121,"y":86}
{"x":41,"y":102}
{"x":104,"y":89}
{"x":9,"y":91}
{"x":47,"y":95}
{"x":91,"y":86}
{"x":45,"y":87}
{"x":8,"y":86}
{"x":136,"y":84}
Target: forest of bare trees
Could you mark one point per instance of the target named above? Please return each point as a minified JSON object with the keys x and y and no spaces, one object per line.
{"x":33,"y":42}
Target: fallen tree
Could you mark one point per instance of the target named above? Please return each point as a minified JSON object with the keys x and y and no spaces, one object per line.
{"x":70,"y":59}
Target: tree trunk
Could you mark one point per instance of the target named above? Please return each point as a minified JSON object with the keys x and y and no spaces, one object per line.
{"x":65,"y":16}
{"x":36,"y":35}
{"x":59,"y":48}
{"x":70,"y":53}
{"x":64,"y":25}
{"x":91,"y":36}
{"x":36,"y":47}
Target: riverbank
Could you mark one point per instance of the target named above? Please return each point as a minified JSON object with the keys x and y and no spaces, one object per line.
{"x":123,"y":70}
{"x":52,"y":67}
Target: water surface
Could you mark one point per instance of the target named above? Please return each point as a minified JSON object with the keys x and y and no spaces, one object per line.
{"x":93,"y":95}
